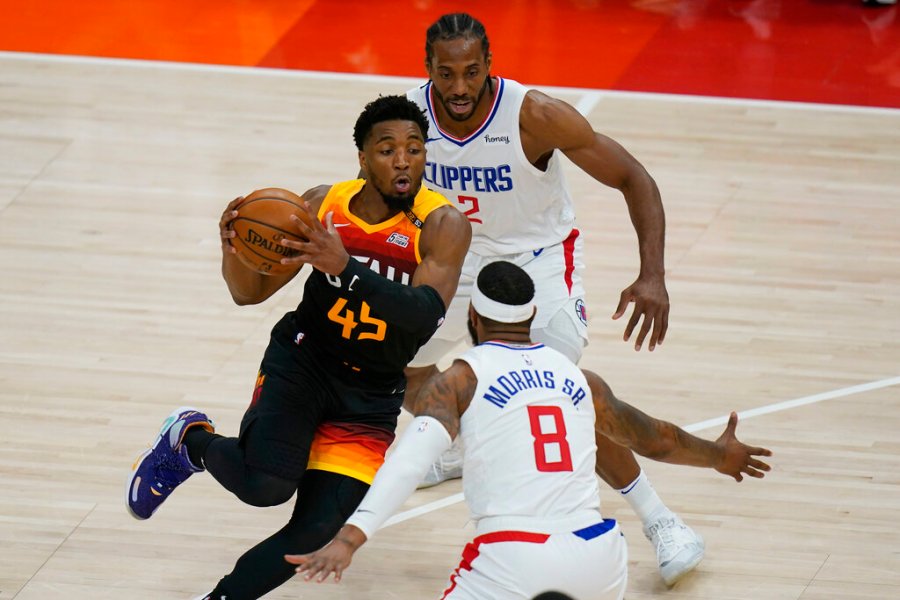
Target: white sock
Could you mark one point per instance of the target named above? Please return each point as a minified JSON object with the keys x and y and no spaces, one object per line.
{"x":643,"y":499}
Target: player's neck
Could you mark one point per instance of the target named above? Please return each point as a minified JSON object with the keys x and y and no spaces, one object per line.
{"x":512,"y":335}
{"x":370,"y":206}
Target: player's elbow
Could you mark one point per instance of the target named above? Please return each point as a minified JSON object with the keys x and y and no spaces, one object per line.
{"x":427,"y":311}
{"x":637,"y":181}
{"x":243,"y":301}
{"x":243,"y":298}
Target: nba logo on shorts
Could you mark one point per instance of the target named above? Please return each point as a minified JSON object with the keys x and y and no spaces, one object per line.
{"x":581,"y":311}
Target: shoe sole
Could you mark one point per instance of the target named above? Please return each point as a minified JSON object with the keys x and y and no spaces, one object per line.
{"x":129,"y":484}
{"x":687,"y":570}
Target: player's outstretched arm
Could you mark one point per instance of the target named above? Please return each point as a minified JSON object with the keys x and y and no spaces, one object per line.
{"x":550,"y":124}
{"x":334,"y":557}
{"x":666,"y":442}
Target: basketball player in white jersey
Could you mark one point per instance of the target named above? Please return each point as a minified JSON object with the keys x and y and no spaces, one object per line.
{"x":494,"y":148}
{"x":527,"y":416}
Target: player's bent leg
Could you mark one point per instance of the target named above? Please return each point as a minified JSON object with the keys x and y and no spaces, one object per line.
{"x":324,"y":502}
{"x":679,"y":549}
{"x":563,"y":332}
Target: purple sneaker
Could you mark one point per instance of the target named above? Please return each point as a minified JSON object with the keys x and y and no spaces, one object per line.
{"x":165,"y":466}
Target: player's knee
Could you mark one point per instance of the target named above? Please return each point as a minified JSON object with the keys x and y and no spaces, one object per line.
{"x":321,"y":513}
{"x":263,"y":490}
{"x":562,"y":335}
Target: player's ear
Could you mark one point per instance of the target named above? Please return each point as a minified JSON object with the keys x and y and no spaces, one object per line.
{"x":487,"y":61}
{"x":362,"y":161}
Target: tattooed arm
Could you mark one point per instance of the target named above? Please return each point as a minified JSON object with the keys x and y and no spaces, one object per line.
{"x":446,"y":396}
{"x":663,"y":441}
{"x":437,"y":409}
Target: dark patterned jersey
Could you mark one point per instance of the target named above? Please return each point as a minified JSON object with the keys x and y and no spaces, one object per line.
{"x":347,"y":331}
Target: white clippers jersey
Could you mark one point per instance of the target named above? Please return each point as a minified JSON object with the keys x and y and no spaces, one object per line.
{"x":513,"y":206}
{"x":528,"y":435}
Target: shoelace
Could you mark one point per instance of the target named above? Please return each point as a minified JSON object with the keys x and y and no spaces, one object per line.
{"x":171,"y":470}
{"x":663,"y":533}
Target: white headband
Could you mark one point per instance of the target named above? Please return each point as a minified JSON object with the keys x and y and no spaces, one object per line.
{"x":504,"y":313}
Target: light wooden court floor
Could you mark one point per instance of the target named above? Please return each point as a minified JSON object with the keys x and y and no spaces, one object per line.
{"x":783,"y":262}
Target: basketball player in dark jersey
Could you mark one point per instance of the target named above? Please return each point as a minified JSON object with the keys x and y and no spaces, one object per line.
{"x":386,"y":256}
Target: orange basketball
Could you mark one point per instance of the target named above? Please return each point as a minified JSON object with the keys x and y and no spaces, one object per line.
{"x":263,"y":221}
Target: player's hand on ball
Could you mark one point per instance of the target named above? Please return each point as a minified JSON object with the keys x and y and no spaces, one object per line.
{"x":226,"y":233}
{"x":738,"y":459}
{"x":323,"y":248}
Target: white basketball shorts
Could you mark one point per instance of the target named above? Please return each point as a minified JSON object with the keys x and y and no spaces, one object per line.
{"x":561,"y":319}
{"x":589,"y":564}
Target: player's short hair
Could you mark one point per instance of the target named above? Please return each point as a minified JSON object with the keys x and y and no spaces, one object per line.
{"x":505,"y":283}
{"x":388,"y":108}
{"x":454,"y":26}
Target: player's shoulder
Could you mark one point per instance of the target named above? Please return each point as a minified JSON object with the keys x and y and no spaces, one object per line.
{"x":445,"y":219}
{"x":447,"y":231}
{"x":317,"y":192}
{"x":417,"y":94}
{"x":444,"y":212}
{"x":315,"y":195}
{"x":538,"y":105}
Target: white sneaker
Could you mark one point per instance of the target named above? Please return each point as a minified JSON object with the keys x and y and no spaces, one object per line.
{"x":448,"y":466}
{"x":678,"y":548}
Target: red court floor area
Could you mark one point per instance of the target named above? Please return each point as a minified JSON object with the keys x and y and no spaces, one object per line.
{"x":831,"y":51}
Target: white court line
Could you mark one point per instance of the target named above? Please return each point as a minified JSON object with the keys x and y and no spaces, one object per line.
{"x":588,"y":101}
{"x":753,"y":412}
{"x":592,"y":95}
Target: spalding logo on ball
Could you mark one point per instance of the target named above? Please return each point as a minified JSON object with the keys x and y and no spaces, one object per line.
{"x":264,"y":219}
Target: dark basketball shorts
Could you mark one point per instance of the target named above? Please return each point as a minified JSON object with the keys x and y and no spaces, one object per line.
{"x":306,"y":415}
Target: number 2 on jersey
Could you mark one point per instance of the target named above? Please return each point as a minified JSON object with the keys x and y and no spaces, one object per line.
{"x":469,"y":212}
{"x":549,"y":439}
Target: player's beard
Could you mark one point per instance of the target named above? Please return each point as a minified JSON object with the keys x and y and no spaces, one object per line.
{"x":400,"y":203}
{"x":395,"y":202}
{"x":475,"y":103}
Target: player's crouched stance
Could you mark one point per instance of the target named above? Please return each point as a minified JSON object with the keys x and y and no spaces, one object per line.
{"x":527,"y":416}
